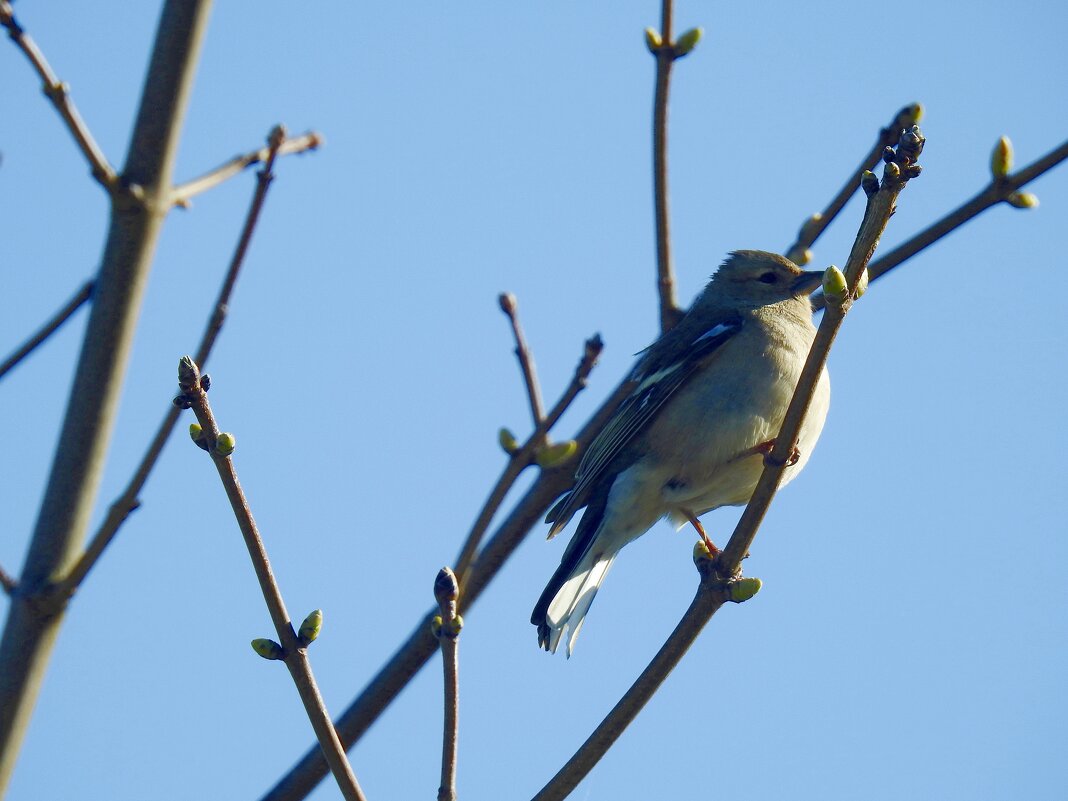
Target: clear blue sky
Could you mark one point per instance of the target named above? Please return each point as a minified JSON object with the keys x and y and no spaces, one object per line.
{"x":910,"y":640}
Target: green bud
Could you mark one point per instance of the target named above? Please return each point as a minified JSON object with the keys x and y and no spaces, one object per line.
{"x":910,"y":115}
{"x":435,"y":626}
{"x":268,"y":649}
{"x":455,"y":626}
{"x":688,"y":41}
{"x":508,"y":441}
{"x":869,"y":182}
{"x":195,"y":431}
{"x":225,"y":444}
{"x":1022,"y":200}
{"x":892,"y":171}
{"x":834,"y":285}
{"x":743,"y":589}
{"x":310,"y":628}
{"x":1001,"y":158}
{"x":701,"y":552}
{"x":862,"y":283}
{"x":653,"y":40}
{"x":557,"y":454}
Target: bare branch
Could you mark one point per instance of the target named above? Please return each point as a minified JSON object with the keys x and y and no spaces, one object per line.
{"x":997,"y":192}
{"x":447,"y":630}
{"x":510,"y":307}
{"x":717,"y":578}
{"x":128,"y":501}
{"x":182,"y":193}
{"x":59,"y":93}
{"x":665,"y":268}
{"x":49,"y":328}
{"x":524,"y":457}
{"x":815,"y":225}
{"x":194,"y":392}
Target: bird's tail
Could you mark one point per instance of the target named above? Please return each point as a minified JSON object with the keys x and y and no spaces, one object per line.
{"x":565,"y":602}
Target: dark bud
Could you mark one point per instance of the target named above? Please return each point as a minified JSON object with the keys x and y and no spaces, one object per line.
{"x":182,"y":401}
{"x":205,"y":382}
{"x":888,"y":154}
{"x":188,"y":373}
{"x":869,"y":182}
{"x":446,"y":587}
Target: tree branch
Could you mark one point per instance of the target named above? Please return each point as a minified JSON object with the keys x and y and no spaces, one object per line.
{"x":524,"y":457}
{"x":815,"y":225}
{"x":127,"y":502}
{"x":49,"y":328}
{"x":7,"y":581}
{"x":70,"y":494}
{"x":718,"y":577}
{"x":294,"y":651}
{"x":59,"y":93}
{"x":182,"y":193}
{"x":446,"y":628}
{"x":664,"y":52}
{"x":510,"y":307}
{"x":998,"y":191}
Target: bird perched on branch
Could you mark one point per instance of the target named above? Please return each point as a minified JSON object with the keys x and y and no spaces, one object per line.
{"x":710,"y":397}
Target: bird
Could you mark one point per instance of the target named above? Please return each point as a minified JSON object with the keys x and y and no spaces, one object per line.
{"x":709,"y":397}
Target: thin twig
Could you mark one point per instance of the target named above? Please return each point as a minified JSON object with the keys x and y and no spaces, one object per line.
{"x":447,"y":630}
{"x":7,"y":581}
{"x":410,"y":657}
{"x":49,"y":328}
{"x":523,"y":457}
{"x":714,"y":589}
{"x":816,"y":224}
{"x":59,"y":93}
{"x":128,"y":501}
{"x":665,"y":268}
{"x":182,"y":193}
{"x":295,"y":653}
{"x":996,"y":192}
{"x":510,"y":307}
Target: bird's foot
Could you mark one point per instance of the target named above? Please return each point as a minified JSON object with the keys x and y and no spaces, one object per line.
{"x":712,"y":549}
{"x":765,"y":449}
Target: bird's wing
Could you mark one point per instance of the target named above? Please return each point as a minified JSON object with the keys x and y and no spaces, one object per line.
{"x":657,"y":380}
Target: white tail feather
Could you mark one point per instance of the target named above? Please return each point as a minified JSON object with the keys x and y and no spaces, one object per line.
{"x":572,"y":601}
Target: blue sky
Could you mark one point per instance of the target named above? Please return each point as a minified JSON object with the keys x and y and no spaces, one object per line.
{"x":910,"y":636}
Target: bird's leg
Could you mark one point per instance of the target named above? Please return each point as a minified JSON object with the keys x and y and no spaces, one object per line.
{"x":765,"y":448}
{"x":712,"y":549}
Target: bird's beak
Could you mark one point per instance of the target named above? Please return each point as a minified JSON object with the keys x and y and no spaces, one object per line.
{"x":807,"y":282}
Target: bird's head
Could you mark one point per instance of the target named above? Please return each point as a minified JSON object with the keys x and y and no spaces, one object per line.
{"x":749,"y":279}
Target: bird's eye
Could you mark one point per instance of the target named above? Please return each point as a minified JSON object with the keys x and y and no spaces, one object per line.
{"x":768,"y":277}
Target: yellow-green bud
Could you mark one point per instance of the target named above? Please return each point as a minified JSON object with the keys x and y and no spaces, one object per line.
{"x":653,"y":40}
{"x":268,"y":649}
{"x":862,"y":283}
{"x":225,"y":444}
{"x":435,"y":625}
{"x":195,"y":431}
{"x":455,"y":626}
{"x":834,"y":285}
{"x":910,"y":115}
{"x":743,"y":589}
{"x":508,"y":441}
{"x":700,"y":552}
{"x":806,"y":257}
{"x":688,"y":41}
{"x":1022,"y":200}
{"x":1001,"y":158}
{"x":556,"y":454}
{"x":869,"y":182}
{"x":310,"y":628}
{"x":892,"y":171}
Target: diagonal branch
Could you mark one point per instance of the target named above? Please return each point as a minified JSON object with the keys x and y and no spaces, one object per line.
{"x":523,"y":457}
{"x":59,"y":93}
{"x":128,"y":501}
{"x":294,"y":650}
{"x":716,"y":581}
{"x":998,"y":191}
{"x":798,"y":252}
{"x":510,"y":306}
{"x":49,"y":328}
{"x":182,"y":193}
